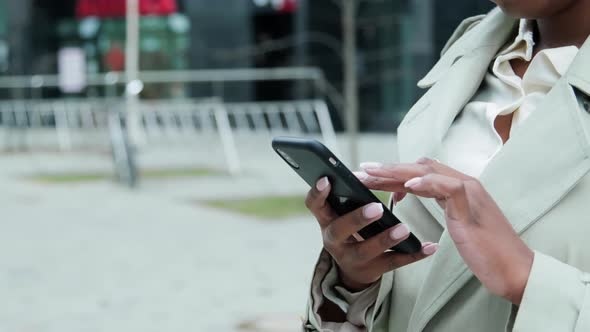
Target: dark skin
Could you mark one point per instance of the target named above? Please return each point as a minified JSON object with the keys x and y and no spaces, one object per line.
{"x":474,"y":221}
{"x":558,"y":23}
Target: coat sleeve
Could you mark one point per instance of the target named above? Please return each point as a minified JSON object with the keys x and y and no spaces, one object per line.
{"x":556,"y":298}
{"x":360,"y":308}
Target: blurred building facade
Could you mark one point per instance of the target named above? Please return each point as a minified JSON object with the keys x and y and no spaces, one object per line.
{"x":398,"y":41}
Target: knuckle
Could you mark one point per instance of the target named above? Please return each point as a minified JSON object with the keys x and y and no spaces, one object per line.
{"x":309,"y":200}
{"x":424,"y":161}
{"x":329,"y":235}
{"x":430,"y":169}
{"x":458,"y":187}
{"x":313,"y":200}
{"x":428,"y":164}
{"x":472,"y":182}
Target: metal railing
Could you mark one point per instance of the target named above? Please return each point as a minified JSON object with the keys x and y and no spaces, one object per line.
{"x":84,"y":123}
{"x":303,"y":117}
{"x":27,"y":120}
{"x":21,"y":87}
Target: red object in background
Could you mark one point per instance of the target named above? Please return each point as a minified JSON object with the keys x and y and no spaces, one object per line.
{"x":157,"y":7}
{"x":117,"y":8}
{"x":289,"y":6}
{"x":114,"y":59}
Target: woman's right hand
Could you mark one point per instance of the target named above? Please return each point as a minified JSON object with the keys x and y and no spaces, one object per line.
{"x":360,"y":263}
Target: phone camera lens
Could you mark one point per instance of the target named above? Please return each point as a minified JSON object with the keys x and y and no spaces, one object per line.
{"x":288,"y":159}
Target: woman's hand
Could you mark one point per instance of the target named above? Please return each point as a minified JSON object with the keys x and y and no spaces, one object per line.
{"x":483,"y":236}
{"x":360,"y":263}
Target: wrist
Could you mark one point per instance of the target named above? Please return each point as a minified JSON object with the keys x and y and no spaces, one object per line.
{"x":519,"y":276}
{"x":352,"y":285}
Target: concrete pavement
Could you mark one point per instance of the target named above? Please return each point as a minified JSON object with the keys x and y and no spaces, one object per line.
{"x":99,"y":257}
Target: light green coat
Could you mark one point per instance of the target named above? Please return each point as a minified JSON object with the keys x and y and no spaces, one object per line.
{"x":540,"y":181}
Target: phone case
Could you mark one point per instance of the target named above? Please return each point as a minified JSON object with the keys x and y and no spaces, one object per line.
{"x":312,"y":160}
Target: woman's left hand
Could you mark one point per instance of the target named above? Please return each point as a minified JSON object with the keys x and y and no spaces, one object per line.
{"x":483,"y":236}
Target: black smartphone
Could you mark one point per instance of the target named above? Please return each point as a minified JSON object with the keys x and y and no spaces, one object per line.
{"x":312,"y":160}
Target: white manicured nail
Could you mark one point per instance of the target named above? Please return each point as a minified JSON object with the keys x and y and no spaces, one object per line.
{"x":372,"y":210}
{"x":400,"y":232}
{"x":413,"y":182}
{"x":361,"y":175}
{"x":322,"y":184}
{"x":371,"y":165}
{"x":430,"y":249}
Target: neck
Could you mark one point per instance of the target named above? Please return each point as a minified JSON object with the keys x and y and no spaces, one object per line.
{"x":569,"y":27}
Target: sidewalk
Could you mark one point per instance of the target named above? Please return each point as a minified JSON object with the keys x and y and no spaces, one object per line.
{"x":99,"y":257}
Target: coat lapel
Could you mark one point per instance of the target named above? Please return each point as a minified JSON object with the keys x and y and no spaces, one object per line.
{"x":536,"y":168}
{"x":467,"y":64}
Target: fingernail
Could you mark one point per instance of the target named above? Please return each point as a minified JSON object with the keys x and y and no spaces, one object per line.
{"x":400,"y":232}
{"x":372,"y":210}
{"x":361,"y":175}
{"x":322,"y":184}
{"x":430,"y":249}
{"x":371,"y":165}
{"x":412,"y":182}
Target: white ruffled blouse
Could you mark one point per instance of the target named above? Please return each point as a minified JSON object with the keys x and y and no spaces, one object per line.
{"x":472,"y":141}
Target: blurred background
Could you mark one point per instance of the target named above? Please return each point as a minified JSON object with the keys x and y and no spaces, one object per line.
{"x":138,"y":189}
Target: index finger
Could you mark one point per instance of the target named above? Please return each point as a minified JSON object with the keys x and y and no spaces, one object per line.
{"x":406,"y":171}
{"x":398,"y":172}
{"x":389,"y":177}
